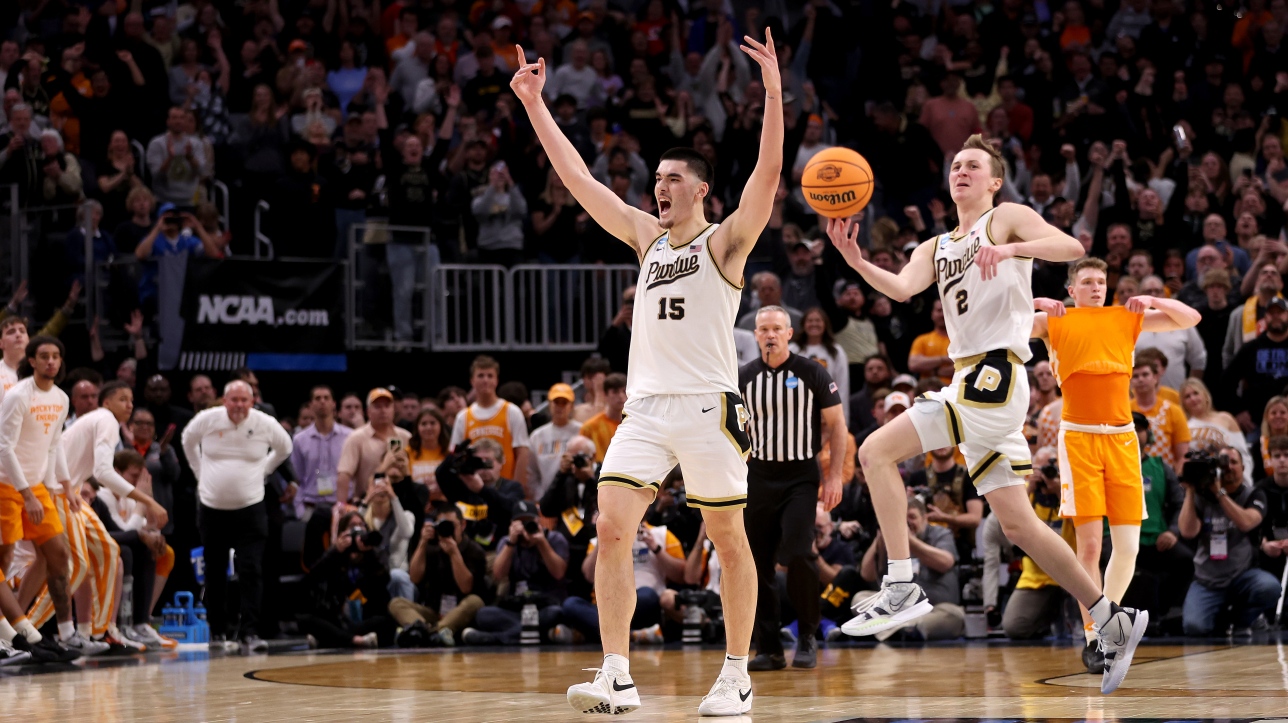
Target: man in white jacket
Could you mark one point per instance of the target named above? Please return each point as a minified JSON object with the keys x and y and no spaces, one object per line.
{"x":232,"y":449}
{"x":89,"y":446}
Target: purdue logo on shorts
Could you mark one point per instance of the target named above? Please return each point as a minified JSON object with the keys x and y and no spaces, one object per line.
{"x":989,"y":384}
{"x":734,"y":421}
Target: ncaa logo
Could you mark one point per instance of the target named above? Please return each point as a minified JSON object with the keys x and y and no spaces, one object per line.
{"x":793,"y":382}
{"x":828,"y":172}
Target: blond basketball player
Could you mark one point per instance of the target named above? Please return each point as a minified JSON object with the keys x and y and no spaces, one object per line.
{"x":1092,"y":346}
{"x":682,"y":386}
{"x":13,"y":346}
{"x":983,"y":271}
{"x":31,"y":422}
{"x":89,"y":445}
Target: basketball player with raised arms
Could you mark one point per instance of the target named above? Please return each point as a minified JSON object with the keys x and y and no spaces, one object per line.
{"x":682,"y":387}
{"x":983,"y":270}
{"x":1092,"y":348}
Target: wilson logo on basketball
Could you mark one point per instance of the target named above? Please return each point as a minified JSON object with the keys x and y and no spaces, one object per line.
{"x":832,"y":198}
{"x":828,"y":173}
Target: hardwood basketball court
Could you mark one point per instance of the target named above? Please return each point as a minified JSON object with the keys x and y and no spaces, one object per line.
{"x":997,"y":681}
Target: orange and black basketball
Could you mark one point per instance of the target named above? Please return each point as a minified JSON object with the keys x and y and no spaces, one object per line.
{"x":837,"y":182}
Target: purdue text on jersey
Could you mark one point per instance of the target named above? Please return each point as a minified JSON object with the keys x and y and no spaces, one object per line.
{"x":659,"y":274}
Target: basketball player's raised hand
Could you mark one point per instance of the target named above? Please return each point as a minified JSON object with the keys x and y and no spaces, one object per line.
{"x":988,"y":257}
{"x":768,"y":60}
{"x":529,"y":79}
{"x":1050,"y":306}
{"x":845,"y":237}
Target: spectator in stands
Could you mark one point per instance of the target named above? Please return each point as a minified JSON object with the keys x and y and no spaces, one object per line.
{"x":571,"y":500}
{"x":601,"y":427}
{"x":177,"y":160}
{"x":316,"y":455}
{"x":1274,"y":528}
{"x":369,"y":447}
{"x":819,"y":344}
{"x":593,"y":373}
{"x":1167,"y":421}
{"x":500,"y":211}
{"x":951,"y":501}
{"x":1248,"y":320}
{"x":352,"y":414}
{"x":856,"y":335}
{"x":201,"y":393}
{"x":88,"y":217}
{"x":769,"y":292}
{"x":61,"y":183}
{"x":929,"y":355}
{"x":303,"y":220}
{"x":936,"y":553}
{"x":485,"y":496}
{"x":534,"y":563}
{"x":84,"y":398}
{"x":1221,"y":514}
{"x":383,"y":513}
{"x":159,"y":458}
{"x":449,"y":571}
{"x":615,"y":342}
{"x":428,"y":447}
{"x":1216,"y":312}
{"x":549,"y":441}
{"x":21,"y":155}
{"x":406,"y":410}
{"x":156,"y":399}
{"x":138,"y":221}
{"x":176,"y":235}
{"x":491,"y":417}
{"x":1260,"y":369}
{"x":350,"y":570}
{"x":410,"y":197}
{"x":575,"y":77}
{"x":877,"y":373}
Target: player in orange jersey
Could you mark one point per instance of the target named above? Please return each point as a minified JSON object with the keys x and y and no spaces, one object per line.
{"x":1092,"y":348}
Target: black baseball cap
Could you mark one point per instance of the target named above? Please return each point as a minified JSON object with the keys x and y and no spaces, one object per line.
{"x":522,"y":509}
{"x":1278,"y":302}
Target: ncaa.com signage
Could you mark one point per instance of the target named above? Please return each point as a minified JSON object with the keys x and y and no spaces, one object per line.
{"x":285,"y":314}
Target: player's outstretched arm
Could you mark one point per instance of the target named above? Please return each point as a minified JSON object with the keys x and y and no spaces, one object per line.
{"x":745,"y":224}
{"x":614,"y":215}
{"x":1020,"y":231}
{"x":916,"y":276}
{"x":1163,"y":314}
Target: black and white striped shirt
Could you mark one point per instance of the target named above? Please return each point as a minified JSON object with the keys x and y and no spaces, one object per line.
{"x":786,"y":405}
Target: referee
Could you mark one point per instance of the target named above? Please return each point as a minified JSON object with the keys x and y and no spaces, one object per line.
{"x":792,"y":400}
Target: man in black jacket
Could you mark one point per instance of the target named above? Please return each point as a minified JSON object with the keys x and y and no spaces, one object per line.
{"x":471,"y":479}
{"x":351,"y":565}
{"x":449,"y":572}
{"x":572,"y":499}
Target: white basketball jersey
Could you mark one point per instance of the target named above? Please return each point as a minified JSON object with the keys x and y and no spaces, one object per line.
{"x":983,"y":315}
{"x":682,"y":334}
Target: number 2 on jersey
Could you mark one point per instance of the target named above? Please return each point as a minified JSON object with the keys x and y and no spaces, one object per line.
{"x":962,"y":305}
{"x":670,"y":308}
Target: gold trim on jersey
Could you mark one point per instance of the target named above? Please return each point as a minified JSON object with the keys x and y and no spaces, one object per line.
{"x":728,"y":404}
{"x":954,"y":425}
{"x":718,"y":503}
{"x":1022,"y":468}
{"x":988,"y":227}
{"x":987,"y":463}
{"x":955,"y":239}
{"x":695,"y":238}
{"x":617,"y":479}
{"x":970,"y":361}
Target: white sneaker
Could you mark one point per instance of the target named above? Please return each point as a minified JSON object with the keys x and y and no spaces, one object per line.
{"x":730,"y":695}
{"x":1118,"y":640}
{"x":611,"y":693}
{"x":85,"y":646}
{"x":149,"y":636}
{"x":10,"y":655}
{"x":114,"y":635}
{"x":651,"y":635}
{"x":895,"y":604}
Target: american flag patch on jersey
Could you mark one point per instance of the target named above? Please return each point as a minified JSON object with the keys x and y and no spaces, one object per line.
{"x":695,"y":248}
{"x":831,"y":387}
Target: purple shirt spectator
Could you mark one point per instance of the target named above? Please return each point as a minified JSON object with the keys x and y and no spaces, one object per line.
{"x":315,"y":457}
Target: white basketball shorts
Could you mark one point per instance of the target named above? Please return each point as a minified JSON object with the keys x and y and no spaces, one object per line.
{"x":982,"y":411}
{"x":704,"y":433}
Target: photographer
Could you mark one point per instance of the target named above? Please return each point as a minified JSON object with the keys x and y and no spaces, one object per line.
{"x":572,"y":500}
{"x":449,"y":572}
{"x":1274,"y":529}
{"x":337,"y":617}
{"x":1223,"y":514}
{"x":534,"y":563}
{"x":471,"y":479}
{"x":381,"y":511}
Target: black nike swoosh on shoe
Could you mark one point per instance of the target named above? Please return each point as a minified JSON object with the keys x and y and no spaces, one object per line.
{"x":707,"y":410}
{"x":744,"y":696}
{"x":620,"y":688}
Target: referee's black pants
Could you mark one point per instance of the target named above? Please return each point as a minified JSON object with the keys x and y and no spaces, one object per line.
{"x":781,"y":503}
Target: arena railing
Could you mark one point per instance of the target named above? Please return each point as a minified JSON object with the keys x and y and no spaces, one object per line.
{"x":368,"y":294}
{"x":564,"y":307}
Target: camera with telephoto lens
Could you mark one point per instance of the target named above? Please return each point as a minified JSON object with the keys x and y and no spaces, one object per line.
{"x":1202,"y":468}
{"x":468,"y":463}
{"x":581,"y":460}
{"x":530,"y":527}
{"x":445,"y":529}
{"x":1051,"y":471}
{"x":369,"y":539}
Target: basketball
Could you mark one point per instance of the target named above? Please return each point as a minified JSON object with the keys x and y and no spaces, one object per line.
{"x":837,"y":182}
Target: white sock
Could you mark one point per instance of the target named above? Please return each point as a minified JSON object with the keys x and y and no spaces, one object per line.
{"x":735,"y":665}
{"x":66,"y":630}
{"x":900,"y":570}
{"x":1089,"y":630}
{"x":85,"y":629}
{"x":7,"y":632}
{"x":1102,"y":611}
{"x":617,"y":663}
{"x":29,"y":631}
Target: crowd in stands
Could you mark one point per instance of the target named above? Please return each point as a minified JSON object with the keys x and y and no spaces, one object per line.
{"x":1150,"y":130}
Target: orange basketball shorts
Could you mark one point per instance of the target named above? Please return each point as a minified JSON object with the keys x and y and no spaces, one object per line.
{"x":15,"y":525}
{"x":1100,"y":474}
